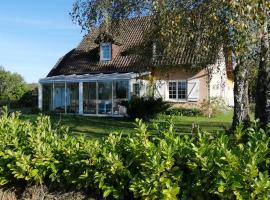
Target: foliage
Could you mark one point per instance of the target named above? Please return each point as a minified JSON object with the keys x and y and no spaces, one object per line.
{"x":145,"y":108}
{"x":156,"y":164}
{"x":28,"y":100}
{"x":12,"y":85}
{"x":179,"y":111}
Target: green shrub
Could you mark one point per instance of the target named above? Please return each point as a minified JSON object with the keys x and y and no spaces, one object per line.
{"x":189,"y":112}
{"x":147,"y":164}
{"x":145,"y":108}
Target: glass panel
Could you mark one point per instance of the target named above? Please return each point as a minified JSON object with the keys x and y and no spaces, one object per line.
{"x":47,"y":91}
{"x":89,"y":98}
{"x":182,"y":90}
{"x":120,"y":93}
{"x":120,"y":89}
{"x":105,"y":97}
{"x":106,"y":51}
{"x":72,"y":97}
{"x":105,"y":90}
{"x":59,"y":97}
{"x":172,"y":90}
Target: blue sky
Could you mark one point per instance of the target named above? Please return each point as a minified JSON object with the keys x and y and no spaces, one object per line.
{"x":35,"y":34}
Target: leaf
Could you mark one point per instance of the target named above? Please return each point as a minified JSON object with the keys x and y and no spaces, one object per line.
{"x":221,"y":189}
{"x":106,"y":193}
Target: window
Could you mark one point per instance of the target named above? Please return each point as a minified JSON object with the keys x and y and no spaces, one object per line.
{"x":172,"y":90}
{"x":136,"y":89}
{"x":178,"y":90}
{"x":105,"y":52}
{"x":182,"y":90}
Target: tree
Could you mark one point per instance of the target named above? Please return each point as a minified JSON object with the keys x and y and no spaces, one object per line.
{"x":263,"y":81}
{"x":12,"y":86}
{"x":213,"y":23}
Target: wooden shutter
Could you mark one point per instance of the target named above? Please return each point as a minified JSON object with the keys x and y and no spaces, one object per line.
{"x":193,"y":90}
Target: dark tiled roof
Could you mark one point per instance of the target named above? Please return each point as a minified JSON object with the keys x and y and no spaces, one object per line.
{"x":130,"y":34}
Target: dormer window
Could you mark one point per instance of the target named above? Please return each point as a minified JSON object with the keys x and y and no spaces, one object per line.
{"x":105,"y":51}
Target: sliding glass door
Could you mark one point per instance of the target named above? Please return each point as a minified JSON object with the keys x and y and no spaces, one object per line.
{"x":59,"y":97}
{"x":72,"y":94}
{"x":120,"y":94}
{"x":105,"y":97}
{"x":47,"y":97}
{"x":90,"y":98}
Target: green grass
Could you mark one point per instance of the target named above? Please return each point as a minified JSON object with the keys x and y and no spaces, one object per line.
{"x":184,"y":124}
{"x":99,"y":126}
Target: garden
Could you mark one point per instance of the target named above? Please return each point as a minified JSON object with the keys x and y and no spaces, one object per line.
{"x":154,"y":152}
{"x":144,"y":161}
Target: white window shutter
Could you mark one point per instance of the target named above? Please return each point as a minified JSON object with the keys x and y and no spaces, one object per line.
{"x":193,"y":90}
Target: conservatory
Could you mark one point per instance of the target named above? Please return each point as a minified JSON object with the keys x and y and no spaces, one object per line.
{"x":100,"y":94}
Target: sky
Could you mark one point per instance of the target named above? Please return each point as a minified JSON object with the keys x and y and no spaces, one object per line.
{"x":34,"y":34}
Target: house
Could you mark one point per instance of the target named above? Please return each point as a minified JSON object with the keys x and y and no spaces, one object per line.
{"x":95,"y":77}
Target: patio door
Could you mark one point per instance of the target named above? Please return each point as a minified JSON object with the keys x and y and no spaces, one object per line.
{"x":90,"y":98}
{"x":104,"y":98}
{"x":59,"y":97}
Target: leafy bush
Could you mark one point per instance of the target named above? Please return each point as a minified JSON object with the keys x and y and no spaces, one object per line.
{"x":28,"y":100}
{"x":189,"y":112}
{"x":145,"y":108}
{"x":156,"y":164}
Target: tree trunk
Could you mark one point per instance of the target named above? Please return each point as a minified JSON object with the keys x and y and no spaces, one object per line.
{"x":262,"y":111}
{"x":241,"y":100}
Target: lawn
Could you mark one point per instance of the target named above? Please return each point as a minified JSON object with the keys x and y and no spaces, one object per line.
{"x":99,"y":126}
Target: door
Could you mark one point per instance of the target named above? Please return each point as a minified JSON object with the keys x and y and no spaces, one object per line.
{"x":90,"y":98}
{"x":104,"y":97}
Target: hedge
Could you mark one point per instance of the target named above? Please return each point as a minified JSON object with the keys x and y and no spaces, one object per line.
{"x":147,"y":164}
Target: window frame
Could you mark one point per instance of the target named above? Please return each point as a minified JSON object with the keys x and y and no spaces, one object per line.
{"x":177,"y":90}
{"x":103,"y":45}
